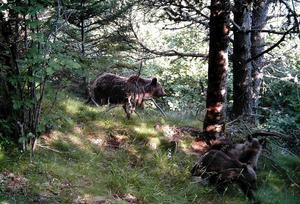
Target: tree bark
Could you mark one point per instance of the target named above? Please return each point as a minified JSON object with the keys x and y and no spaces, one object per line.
{"x":242,"y":87}
{"x":214,"y":122}
{"x":82,"y":31}
{"x":259,"y":20}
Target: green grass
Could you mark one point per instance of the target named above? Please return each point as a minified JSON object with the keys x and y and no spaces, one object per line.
{"x":73,"y":161}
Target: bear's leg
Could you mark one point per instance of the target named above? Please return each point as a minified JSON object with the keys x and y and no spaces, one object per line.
{"x":126,"y":109}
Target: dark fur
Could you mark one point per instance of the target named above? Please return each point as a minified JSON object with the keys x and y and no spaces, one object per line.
{"x":131,"y":92}
{"x":220,"y":170}
{"x":247,"y":152}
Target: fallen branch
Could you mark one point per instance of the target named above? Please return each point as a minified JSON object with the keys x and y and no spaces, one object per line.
{"x":49,"y":148}
{"x":273,"y":134}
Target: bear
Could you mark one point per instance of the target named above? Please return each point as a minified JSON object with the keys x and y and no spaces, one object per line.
{"x":220,"y":170}
{"x":247,"y":152}
{"x":131,"y":92}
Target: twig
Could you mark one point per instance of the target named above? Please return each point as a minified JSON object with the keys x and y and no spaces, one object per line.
{"x":238,"y":118}
{"x":273,"y":134}
{"x":243,"y":122}
{"x":157,"y":106}
{"x":46,"y":147}
{"x":111,"y":107}
{"x":92,"y":99}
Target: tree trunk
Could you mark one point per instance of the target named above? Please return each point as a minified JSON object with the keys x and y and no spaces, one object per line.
{"x":259,"y":20}
{"x":214,"y":122}
{"x":82,"y":31}
{"x":242,"y":87}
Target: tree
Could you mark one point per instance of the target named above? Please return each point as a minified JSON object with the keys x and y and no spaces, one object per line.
{"x":214,"y":122}
{"x":36,"y":45}
{"x":23,"y":72}
{"x":96,"y":28}
{"x":259,"y":20}
{"x":242,"y":69}
{"x":250,"y":18}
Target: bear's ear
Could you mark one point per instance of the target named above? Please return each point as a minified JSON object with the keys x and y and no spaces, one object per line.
{"x":154,"y":81}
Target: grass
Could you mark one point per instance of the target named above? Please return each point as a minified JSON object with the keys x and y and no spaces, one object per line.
{"x":79,"y":160}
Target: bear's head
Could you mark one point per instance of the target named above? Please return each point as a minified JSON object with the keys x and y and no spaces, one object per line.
{"x":154,"y":89}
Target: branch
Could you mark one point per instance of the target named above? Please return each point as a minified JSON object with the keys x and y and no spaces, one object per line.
{"x":293,"y":12}
{"x":272,"y":47}
{"x":263,"y":133}
{"x":168,"y":53}
{"x":49,"y":148}
{"x":270,"y":31}
{"x":162,"y":112}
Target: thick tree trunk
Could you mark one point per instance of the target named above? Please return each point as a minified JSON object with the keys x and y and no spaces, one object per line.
{"x":259,"y":20}
{"x":242,"y":86}
{"x":214,"y":121}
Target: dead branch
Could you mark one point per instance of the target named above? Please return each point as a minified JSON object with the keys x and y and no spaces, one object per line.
{"x":159,"y":108}
{"x":49,"y":148}
{"x":264,"y":133}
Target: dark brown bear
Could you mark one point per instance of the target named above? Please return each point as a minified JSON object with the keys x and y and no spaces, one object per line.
{"x":247,"y":152}
{"x":219,"y":169}
{"x":131,"y":92}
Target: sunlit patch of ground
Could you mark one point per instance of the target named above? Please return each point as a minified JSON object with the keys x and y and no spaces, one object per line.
{"x":128,"y":198}
{"x":100,"y":156}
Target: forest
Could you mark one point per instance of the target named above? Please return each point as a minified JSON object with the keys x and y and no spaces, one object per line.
{"x":127,"y":101}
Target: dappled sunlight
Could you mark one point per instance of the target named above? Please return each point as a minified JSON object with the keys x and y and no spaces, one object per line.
{"x":55,"y":137}
{"x":106,"y":123}
{"x":105,"y":101}
{"x":144,"y":129}
{"x":102,"y":156}
{"x":153,"y":143}
{"x":77,"y":141}
{"x":71,"y":106}
{"x":52,"y":136}
{"x":188,"y":147}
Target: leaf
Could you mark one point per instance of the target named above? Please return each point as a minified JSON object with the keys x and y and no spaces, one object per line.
{"x":30,"y":135}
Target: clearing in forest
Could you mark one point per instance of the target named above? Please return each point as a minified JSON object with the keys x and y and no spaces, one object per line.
{"x":98,"y":156}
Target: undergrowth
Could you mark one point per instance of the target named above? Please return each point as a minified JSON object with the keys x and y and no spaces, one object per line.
{"x":91,"y":152}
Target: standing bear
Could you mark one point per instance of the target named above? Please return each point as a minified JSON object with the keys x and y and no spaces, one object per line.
{"x":131,"y":92}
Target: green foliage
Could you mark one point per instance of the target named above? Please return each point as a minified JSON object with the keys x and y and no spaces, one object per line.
{"x":74,"y":161}
{"x":149,"y":175}
{"x":279,"y":175}
{"x":280,"y":96}
{"x":282,"y":122}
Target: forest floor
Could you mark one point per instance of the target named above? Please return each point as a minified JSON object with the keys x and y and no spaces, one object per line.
{"x":98,"y":156}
